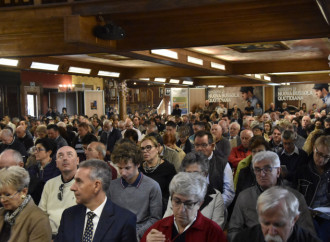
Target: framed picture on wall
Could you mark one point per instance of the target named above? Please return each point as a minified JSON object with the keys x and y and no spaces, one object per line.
{"x":161,"y":92}
{"x":167,"y":91}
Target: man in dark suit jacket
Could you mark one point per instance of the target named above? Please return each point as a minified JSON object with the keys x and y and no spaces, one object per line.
{"x":109,"y":136}
{"x":108,"y":221}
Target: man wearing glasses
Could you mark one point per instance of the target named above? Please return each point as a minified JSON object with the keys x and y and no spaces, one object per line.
{"x":313,"y":181}
{"x":266,"y":167}
{"x":57,"y":196}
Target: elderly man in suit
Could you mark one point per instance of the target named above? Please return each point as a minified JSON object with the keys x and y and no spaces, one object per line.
{"x":95,"y":218}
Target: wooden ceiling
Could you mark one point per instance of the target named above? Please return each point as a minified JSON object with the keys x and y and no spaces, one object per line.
{"x":61,"y":33}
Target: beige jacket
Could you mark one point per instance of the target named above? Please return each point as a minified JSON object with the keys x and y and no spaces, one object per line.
{"x":32,"y":224}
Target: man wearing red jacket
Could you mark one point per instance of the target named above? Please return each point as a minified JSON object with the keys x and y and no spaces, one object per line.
{"x":240,"y":152}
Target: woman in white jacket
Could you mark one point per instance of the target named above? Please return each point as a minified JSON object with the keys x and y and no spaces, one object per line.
{"x":213,"y":206}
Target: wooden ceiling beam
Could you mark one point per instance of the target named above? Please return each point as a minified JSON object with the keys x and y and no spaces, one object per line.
{"x":182,"y":62}
{"x":226,"y":81}
{"x":306,"y":78}
{"x":280,"y":66}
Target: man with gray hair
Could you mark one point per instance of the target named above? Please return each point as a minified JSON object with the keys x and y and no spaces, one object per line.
{"x":95,"y":218}
{"x":234,"y":138}
{"x":109,"y":136}
{"x":267,"y":169}
{"x":11,"y":157}
{"x":9,"y":141}
{"x":278,"y":212}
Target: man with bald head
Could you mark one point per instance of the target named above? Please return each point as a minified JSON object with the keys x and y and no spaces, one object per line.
{"x":222,"y":145}
{"x":97,"y":150}
{"x":11,"y":157}
{"x":57,"y":196}
{"x":242,"y":151}
{"x":22,"y":136}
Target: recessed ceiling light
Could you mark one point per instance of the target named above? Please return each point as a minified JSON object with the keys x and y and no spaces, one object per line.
{"x":218,"y":66}
{"x":158,"y":79}
{"x":144,"y":79}
{"x":108,"y":73}
{"x":195,"y":60}
{"x":274,"y":84}
{"x":44,"y":66}
{"x":221,"y":86}
{"x":258,"y":76}
{"x":174,"y":81}
{"x":8,"y":62}
{"x":267,"y":78}
{"x":188,"y":82}
{"x":79,"y":70}
{"x":212,"y":86}
{"x":134,"y":83}
{"x":167,"y":53}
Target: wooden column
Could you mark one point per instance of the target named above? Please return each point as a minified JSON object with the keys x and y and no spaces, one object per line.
{"x":122,"y":89}
{"x":269,"y":96}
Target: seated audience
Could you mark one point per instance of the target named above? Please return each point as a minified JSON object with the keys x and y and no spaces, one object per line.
{"x":240,"y":152}
{"x":56,"y":195}
{"x":20,"y":218}
{"x":213,"y":206}
{"x":134,"y":191}
{"x":278,"y":212}
{"x":156,"y":168}
{"x":187,"y":223}
{"x":95,"y":218}
{"x":266,"y":166}
{"x":313,"y":181}
{"x":183,"y":142}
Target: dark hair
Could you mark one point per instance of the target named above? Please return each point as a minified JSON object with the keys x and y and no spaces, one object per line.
{"x":53,"y":126}
{"x":127,"y":151}
{"x":83,"y":125}
{"x":279,"y":128}
{"x":202,"y":133}
{"x":258,"y":140}
{"x":131,"y":133}
{"x":88,"y":139}
{"x":48,"y":144}
{"x":171,"y":124}
{"x":200,"y":124}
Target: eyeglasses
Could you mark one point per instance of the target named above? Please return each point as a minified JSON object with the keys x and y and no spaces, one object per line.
{"x":60,"y":193}
{"x":201,"y":145}
{"x":266,"y":169}
{"x":147,"y":148}
{"x":325,"y":157}
{"x":38,"y":149}
{"x":6,"y":197}
{"x":188,"y":205}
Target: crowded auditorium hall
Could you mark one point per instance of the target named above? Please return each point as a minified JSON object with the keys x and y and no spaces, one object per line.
{"x":159,"y":121}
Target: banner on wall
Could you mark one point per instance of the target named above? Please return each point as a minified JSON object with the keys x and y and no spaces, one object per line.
{"x":94,"y":103}
{"x":235,"y":95}
{"x":296,"y":95}
{"x":180,"y":96}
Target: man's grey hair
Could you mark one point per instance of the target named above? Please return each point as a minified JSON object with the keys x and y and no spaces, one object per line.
{"x":189,"y":184}
{"x":195,"y":158}
{"x":99,"y":171}
{"x":100,"y":147}
{"x":267,"y":155}
{"x":236,"y":124}
{"x":107,"y":122}
{"x":15,"y":155}
{"x":275,"y":196}
{"x":61,"y":124}
{"x":7,"y":133}
{"x":14,"y":176}
{"x":288,"y":135}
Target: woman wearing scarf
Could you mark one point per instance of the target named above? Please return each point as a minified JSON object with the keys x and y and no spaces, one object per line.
{"x":20,"y":219}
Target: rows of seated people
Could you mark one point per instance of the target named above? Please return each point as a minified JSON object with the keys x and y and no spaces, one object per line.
{"x":149,"y":159}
